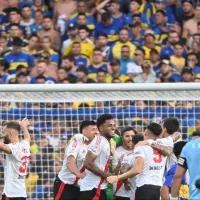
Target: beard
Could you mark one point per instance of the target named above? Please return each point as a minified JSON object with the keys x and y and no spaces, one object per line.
{"x":5,"y":140}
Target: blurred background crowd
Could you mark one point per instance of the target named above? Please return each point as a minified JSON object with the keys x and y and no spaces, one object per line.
{"x":94,"y":41}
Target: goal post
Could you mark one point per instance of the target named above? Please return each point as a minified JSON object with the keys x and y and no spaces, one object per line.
{"x":55,"y":112}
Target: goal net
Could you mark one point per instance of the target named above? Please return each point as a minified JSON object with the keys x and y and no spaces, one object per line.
{"x":55,"y":112}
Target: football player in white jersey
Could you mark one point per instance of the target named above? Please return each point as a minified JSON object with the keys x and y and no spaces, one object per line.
{"x":97,"y":161}
{"x":66,"y":184}
{"x":17,"y":158}
{"x":127,"y":163}
{"x":149,"y":165}
{"x":121,"y":152}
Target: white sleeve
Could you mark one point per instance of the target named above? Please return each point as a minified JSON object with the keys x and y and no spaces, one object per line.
{"x":130,"y":67}
{"x":115,"y":159}
{"x":168,"y":141}
{"x":15,"y":150}
{"x":139,"y":152}
{"x":73,"y":148}
{"x":96,"y":146}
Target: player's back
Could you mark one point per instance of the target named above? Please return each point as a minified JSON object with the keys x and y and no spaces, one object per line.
{"x":16,"y":169}
{"x":154,"y":165}
{"x":101,"y":148}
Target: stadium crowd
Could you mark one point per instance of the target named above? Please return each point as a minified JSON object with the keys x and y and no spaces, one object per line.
{"x":110,"y":41}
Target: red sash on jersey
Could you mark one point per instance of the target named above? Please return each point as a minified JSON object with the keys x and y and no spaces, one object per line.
{"x":60,"y":191}
{"x":98,"y":192}
{"x":119,"y":185}
{"x":77,"y":179}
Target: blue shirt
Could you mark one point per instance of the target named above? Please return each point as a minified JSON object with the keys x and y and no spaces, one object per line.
{"x":49,"y":80}
{"x":169,"y":179}
{"x":112,"y":31}
{"x":123,"y":65}
{"x":33,"y":28}
{"x":81,"y":61}
{"x":13,"y":60}
{"x":169,"y":51}
{"x":191,"y":154}
{"x":93,"y":70}
{"x":129,"y":19}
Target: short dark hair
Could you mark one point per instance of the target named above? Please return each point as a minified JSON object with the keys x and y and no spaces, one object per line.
{"x":128,"y":128}
{"x":15,"y":24}
{"x":137,"y":138}
{"x":97,"y":49}
{"x":105,"y":17}
{"x":47,"y":17}
{"x":25,"y":6}
{"x":155,"y":128}
{"x":40,"y":77}
{"x":103,"y":35}
{"x":179,"y":43}
{"x":85,"y":124}
{"x":142,"y":50}
{"x":103,"y":118}
{"x":162,"y":12}
{"x":19,"y":67}
{"x":196,"y":133}
{"x":101,"y":70}
{"x":82,"y":14}
{"x":178,"y":148}
{"x":84,"y":27}
{"x":171,"y":124}
{"x":13,"y":125}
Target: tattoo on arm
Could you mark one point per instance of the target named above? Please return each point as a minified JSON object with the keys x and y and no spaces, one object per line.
{"x":176,"y":136}
{"x":166,"y":151}
{"x":124,"y":168}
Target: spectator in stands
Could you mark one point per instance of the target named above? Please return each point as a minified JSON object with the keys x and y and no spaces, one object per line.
{"x":22,"y":78}
{"x":82,"y":73}
{"x":46,"y":47}
{"x":134,"y":68}
{"x":166,"y":73}
{"x":125,"y":59}
{"x":115,"y":71}
{"x":32,"y":47}
{"x":3,"y":46}
{"x":188,"y":12}
{"x":17,"y":56}
{"x":134,"y":8}
{"x":37,"y":26}
{"x":48,"y":30}
{"x":40,"y":79}
{"x":102,"y":43}
{"x":76,"y":53}
{"x":192,"y":61}
{"x":155,"y":60}
{"x":2,"y":71}
{"x":147,"y":75}
{"x":42,"y":69}
{"x":62,"y":75}
{"x":136,"y":30}
{"x":26,"y":15}
{"x":97,"y":63}
{"x":101,"y":76}
{"x":190,"y":26}
{"x":177,"y":59}
{"x":149,"y":43}
{"x":114,"y":8}
{"x":39,"y":5}
{"x":123,"y":40}
{"x":187,"y":74}
{"x":73,"y":36}
{"x":116,"y":80}
{"x":108,"y":26}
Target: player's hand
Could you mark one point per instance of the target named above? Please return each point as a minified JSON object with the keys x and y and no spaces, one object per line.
{"x":81,"y":175}
{"x":80,"y":138}
{"x":112,"y":179}
{"x":24,"y":123}
{"x":127,"y":186}
{"x":141,"y":143}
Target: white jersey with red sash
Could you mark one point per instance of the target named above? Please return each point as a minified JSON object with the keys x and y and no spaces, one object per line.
{"x":119,"y":189}
{"x":78,"y":150}
{"x":101,"y":148}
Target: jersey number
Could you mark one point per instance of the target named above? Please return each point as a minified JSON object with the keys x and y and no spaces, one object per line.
{"x":23,"y":168}
{"x":158,"y":158}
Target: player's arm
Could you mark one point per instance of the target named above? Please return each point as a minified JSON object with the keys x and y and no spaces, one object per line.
{"x":5,"y":148}
{"x":24,"y":125}
{"x":89,"y":164}
{"x":176,"y":136}
{"x":135,"y":170}
{"x":180,"y":172}
{"x":185,"y":33}
{"x":117,"y":164}
{"x":71,"y":165}
{"x":164,"y":192}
